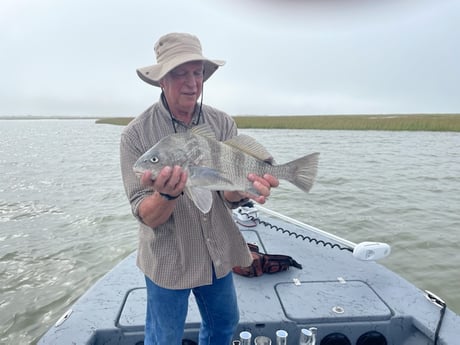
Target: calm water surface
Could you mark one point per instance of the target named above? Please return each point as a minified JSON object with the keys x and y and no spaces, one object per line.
{"x":65,"y":221}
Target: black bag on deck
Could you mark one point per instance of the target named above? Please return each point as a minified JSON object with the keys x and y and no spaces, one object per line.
{"x":265,"y":263}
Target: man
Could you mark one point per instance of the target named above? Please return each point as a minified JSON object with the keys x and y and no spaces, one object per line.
{"x":181,"y":249}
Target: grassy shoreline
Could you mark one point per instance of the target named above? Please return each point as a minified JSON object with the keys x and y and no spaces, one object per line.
{"x":416,"y":122}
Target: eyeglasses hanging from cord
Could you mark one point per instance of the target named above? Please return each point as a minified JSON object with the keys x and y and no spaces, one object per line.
{"x":173,"y":120}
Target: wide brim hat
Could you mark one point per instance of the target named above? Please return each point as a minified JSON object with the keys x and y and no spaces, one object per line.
{"x":172,"y":50}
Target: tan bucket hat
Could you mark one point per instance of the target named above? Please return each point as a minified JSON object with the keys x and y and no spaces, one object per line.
{"x":172,"y":50}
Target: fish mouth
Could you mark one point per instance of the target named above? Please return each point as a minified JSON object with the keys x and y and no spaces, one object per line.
{"x":138,"y":172}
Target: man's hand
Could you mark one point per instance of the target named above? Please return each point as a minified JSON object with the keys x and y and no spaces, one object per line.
{"x":170,"y":180}
{"x":156,"y":209}
{"x":263,"y":185}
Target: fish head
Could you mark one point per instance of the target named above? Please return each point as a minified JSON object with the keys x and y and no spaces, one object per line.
{"x":170,"y":151}
{"x":153,"y":160}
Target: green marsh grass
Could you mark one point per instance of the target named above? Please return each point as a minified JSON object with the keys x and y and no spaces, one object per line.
{"x":423,"y":122}
{"x":119,"y":121}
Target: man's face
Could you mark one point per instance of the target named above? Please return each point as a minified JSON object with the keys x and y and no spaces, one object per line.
{"x":182,"y":86}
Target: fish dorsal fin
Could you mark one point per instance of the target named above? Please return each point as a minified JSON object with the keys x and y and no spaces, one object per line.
{"x":250,"y":146}
{"x":204,"y":130}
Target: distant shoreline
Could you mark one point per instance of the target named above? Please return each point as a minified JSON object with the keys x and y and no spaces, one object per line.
{"x":390,"y":122}
{"x":33,"y":117}
{"x":416,"y":122}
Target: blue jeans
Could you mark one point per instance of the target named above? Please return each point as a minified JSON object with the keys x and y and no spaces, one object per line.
{"x":167,"y":310}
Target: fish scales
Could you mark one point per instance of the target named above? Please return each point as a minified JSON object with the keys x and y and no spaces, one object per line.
{"x":214,"y":165}
{"x":234,"y":165}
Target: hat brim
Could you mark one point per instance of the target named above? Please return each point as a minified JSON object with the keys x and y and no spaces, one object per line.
{"x":154,"y":73}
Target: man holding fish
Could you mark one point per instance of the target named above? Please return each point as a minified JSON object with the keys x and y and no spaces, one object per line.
{"x":174,"y":164}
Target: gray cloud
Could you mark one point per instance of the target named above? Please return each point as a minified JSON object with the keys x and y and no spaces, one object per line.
{"x":67,"y":58}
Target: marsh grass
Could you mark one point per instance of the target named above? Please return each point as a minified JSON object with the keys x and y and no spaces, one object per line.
{"x":355,"y":122}
{"x":119,"y":121}
{"x":441,"y":122}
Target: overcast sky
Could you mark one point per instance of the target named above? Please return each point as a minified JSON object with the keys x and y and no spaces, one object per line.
{"x":303,"y":57}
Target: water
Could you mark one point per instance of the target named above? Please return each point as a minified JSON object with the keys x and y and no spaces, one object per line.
{"x":65,"y":221}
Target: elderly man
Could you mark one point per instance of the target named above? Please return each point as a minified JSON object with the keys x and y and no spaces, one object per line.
{"x":182,"y":250}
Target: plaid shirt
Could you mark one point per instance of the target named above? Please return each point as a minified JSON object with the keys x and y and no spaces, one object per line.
{"x":180,"y":253}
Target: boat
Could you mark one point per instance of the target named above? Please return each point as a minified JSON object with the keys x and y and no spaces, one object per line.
{"x":340,"y":296}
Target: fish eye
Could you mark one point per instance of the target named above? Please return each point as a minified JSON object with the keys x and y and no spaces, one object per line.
{"x":154,"y":159}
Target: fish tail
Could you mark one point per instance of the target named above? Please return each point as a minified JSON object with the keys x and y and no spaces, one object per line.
{"x":303,"y":171}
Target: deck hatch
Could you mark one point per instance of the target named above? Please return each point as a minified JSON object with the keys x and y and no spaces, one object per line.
{"x":331,"y":301}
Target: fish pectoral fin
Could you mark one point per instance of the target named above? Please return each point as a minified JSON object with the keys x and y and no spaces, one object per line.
{"x":204,"y":130}
{"x":206,"y":177}
{"x":251,"y":147}
{"x":202,"y":198}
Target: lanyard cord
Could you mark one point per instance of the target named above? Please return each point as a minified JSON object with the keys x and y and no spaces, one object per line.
{"x":173,"y":120}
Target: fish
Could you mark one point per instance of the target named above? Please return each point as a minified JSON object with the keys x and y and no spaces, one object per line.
{"x":214,"y":165}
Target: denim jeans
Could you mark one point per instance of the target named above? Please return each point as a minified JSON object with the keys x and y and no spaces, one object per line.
{"x":167,"y":311}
